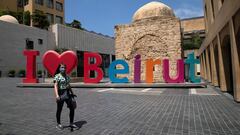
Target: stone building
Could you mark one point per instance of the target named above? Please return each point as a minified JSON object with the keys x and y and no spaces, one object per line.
{"x":154,"y":33}
{"x":220,"y":51}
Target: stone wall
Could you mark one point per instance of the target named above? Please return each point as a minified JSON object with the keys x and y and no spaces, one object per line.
{"x":156,"y":38}
{"x":193,"y":24}
{"x":13,"y":43}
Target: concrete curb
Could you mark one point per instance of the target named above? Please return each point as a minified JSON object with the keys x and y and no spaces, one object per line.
{"x":117,"y":85}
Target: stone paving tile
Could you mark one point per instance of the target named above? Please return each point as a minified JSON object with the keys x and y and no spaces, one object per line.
{"x":26,"y":111}
{"x":134,"y":91}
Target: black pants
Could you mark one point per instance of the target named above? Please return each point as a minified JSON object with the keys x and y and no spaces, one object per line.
{"x":59,"y":110}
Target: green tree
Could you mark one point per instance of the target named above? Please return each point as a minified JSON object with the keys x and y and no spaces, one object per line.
{"x":194,"y":43}
{"x":40,"y":20}
{"x":75,"y":24}
{"x":196,"y":40}
{"x":27,"y":18}
{"x":3,"y":12}
{"x":7,"y":12}
{"x":60,"y":50}
{"x":22,"y":17}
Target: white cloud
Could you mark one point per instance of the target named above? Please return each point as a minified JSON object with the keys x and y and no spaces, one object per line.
{"x":188,"y":12}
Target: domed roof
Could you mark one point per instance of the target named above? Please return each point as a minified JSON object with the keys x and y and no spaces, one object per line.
{"x":9,"y":18}
{"x":153,"y":9}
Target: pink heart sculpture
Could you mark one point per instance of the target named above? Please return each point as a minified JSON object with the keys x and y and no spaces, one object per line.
{"x":51,"y":60}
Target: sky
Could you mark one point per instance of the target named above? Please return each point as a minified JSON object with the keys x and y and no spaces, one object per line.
{"x":101,"y":16}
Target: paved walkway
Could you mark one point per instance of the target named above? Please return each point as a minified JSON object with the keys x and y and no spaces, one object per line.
{"x":116,"y":111}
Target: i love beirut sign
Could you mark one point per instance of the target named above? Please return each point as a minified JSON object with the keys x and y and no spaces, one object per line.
{"x":52,"y":59}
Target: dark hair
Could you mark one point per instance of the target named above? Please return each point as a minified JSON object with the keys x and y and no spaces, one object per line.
{"x":58,"y":68}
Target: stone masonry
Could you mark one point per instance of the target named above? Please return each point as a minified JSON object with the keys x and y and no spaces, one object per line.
{"x":156,"y":36}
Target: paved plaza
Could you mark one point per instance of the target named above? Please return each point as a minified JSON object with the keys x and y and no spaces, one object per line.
{"x":119,"y":111}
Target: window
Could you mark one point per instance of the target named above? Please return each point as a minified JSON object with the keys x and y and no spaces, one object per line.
{"x":59,"y":19}
{"x":40,"y":41}
{"x":59,"y":6}
{"x":20,"y":3}
{"x":49,"y":3}
{"x":40,"y":2}
{"x":26,"y":2}
{"x":38,"y":11}
{"x":113,"y":57}
{"x":29,"y":44}
{"x":50,"y":18}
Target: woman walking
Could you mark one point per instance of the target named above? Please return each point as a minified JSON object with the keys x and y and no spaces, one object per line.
{"x":63,"y":93}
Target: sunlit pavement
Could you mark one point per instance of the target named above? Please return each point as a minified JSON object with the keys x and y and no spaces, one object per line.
{"x":119,"y":111}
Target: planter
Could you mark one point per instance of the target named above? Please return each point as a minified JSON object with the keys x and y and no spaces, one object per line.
{"x":11,"y":75}
{"x":39,"y":75}
{"x":21,"y":75}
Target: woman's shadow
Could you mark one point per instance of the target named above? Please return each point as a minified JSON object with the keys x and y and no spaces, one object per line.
{"x":79,"y":125}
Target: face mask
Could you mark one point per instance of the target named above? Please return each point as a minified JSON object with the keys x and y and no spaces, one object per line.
{"x":62,"y":69}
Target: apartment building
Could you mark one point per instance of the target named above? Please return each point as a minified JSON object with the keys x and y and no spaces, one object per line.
{"x":54,"y":9}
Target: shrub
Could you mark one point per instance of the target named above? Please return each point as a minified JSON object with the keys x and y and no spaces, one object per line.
{"x":74,"y":74}
{"x":60,"y":50}
{"x":39,"y":73}
{"x":21,"y":73}
{"x":11,"y":73}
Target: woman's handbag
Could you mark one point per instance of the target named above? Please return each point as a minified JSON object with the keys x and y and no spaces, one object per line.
{"x":73,"y":101}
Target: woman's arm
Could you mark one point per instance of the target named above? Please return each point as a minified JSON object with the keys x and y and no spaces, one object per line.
{"x":56,"y":89}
